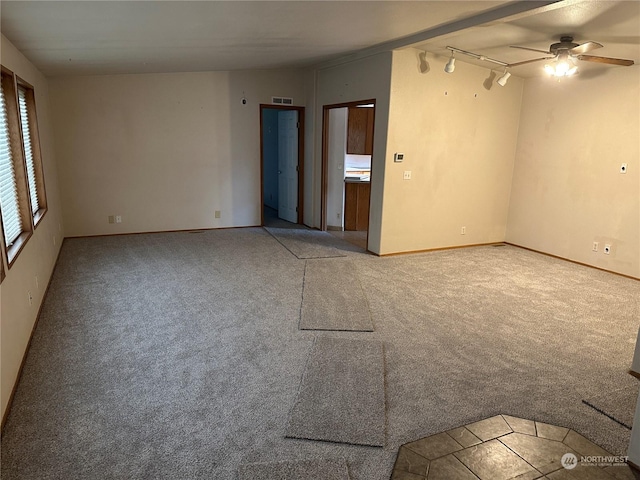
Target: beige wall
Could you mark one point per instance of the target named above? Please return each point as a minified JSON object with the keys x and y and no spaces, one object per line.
{"x":567,"y":188}
{"x":38,"y":257}
{"x":364,"y":79}
{"x":164,"y":151}
{"x":309,"y":79}
{"x":336,"y":151}
{"x":459,"y":141}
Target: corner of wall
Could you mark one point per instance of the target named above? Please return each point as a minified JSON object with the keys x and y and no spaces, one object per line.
{"x":568,"y":193}
{"x":33,"y":268}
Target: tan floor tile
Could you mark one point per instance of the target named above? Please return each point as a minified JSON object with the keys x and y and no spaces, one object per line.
{"x":580,"y":473}
{"x":528,"y":476}
{"x":551,"y":431}
{"x":434,"y":446}
{"x":449,"y":468}
{"x":409,"y":461}
{"x":521,"y":425}
{"x":561,"y":475}
{"x":503,"y":448}
{"x":582,"y":445}
{"x":401,"y":475}
{"x":542,"y":453}
{"x":464,"y":437}
{"x":489,"y":428}
{"x":493,"y":461}
{"x":622,"y":472}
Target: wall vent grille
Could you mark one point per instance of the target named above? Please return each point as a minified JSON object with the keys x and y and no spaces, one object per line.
{"x":282,"y":101}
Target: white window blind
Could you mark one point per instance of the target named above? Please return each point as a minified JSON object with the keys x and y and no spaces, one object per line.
{"x":28,"y":153}
{"x":11,"y":221}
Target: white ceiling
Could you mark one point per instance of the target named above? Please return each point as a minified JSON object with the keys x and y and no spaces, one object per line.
{"x":109,"y":37}
{"x":615,"y":24}
{"x":102,"y":37}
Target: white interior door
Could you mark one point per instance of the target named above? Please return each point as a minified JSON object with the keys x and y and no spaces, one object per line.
{"x":288,"y":165}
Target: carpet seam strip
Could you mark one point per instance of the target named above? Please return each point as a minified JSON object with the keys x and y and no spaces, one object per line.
{"x":314,"y":429}
{"x":278,"y":240}
{"x":359,"y":288}
{"x":338,"y":255}
{"x":599,"y":410}
{"x":304,"y":372}
{"x":304,"y":280}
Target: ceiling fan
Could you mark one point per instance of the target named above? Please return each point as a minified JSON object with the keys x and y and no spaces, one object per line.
{"x":564,"y":54}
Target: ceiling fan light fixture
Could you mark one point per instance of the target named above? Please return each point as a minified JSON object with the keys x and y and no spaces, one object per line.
{"x":451,"y":64}
{"x":502,"y":81}
{"x":563,"y":67}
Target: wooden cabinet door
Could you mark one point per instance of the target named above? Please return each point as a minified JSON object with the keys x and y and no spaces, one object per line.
{"x":368,"y":141}
{"x":360,"y":131}
{"x":356,"y":206}
{"x":350,"y":206}
{"x":362,"y":215}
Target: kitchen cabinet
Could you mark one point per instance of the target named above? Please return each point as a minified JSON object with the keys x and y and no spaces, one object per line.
{"x":360,"y":131}
{"x":356,"y":205}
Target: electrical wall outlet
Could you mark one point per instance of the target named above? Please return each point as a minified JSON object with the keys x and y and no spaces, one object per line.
{"x":595,"y":246}
{"x":30,"y":298}
{"x":463,"y":231}
{"x":407,"y":175}
{"x":607,"y":249}
{"x":217,"y":214}
{"x":118,"y":219}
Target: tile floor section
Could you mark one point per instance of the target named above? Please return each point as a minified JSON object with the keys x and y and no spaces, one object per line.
{"x":501,"y":448}
{"x":358,"y":238}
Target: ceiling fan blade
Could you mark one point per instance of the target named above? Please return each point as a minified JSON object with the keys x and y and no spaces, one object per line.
{"x":584,"y":48}
{"x":529,"y":61}
{"x":531,"y":49}
{"x":610,"y":61}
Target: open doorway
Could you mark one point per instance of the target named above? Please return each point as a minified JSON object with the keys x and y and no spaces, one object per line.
{"x":347,"y":148}
{"x":281,"y":165}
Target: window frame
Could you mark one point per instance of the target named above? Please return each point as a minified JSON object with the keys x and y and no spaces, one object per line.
{"x":34,"y":137}
{"x":2,"y":257}
{"x":9,"y":85}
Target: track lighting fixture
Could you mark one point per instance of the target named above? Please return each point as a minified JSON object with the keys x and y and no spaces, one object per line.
{"x":502,"y":81}
{"x":451,"y":64}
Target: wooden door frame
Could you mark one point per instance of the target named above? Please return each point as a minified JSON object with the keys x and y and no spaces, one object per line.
{"x":325,"y":159}
{"x":300,"y":111}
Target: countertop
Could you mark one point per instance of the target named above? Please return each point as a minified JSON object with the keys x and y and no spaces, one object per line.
{"x":355,"y":180}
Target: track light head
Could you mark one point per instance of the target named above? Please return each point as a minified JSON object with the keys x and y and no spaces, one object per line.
{"x":451,"y":64}
{"x":502,"y":81}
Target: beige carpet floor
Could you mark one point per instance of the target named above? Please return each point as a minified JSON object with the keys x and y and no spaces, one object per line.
{"x":178,"y":355}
